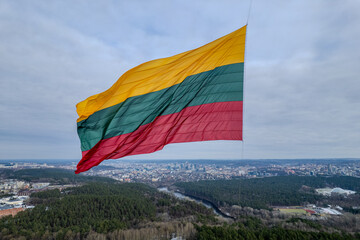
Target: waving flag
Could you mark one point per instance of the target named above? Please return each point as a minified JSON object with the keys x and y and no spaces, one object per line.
{"x":193,"y":96}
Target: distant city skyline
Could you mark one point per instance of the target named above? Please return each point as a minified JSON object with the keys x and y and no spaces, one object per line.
{"x":148,"y":171}
{"x":301,"y":82}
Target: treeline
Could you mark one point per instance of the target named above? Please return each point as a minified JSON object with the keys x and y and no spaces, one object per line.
{"x":352,"y":210}
{"x":97,"y":207}
{"x":52,"y":175}
{"x":55,"y":193}
{"x":253,"y":229}
{"x":261,"y":193}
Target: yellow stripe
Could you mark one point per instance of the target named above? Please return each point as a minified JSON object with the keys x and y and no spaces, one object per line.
{"x":162,"y":73}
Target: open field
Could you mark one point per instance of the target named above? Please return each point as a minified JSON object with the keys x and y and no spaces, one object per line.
{"x":292,"y":210}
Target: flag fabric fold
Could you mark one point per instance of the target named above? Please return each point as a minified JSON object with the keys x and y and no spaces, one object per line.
{"x":193,"y":96}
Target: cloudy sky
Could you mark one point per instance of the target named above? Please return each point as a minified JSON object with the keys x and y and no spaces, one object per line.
{"x":302,"y":89}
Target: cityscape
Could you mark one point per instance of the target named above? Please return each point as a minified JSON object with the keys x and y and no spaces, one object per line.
{"x":170,"y":171}
{"x":160,"y":173}
{"x":175,"y":171}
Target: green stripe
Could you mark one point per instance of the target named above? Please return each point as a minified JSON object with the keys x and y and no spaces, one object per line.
{"x":223,"y":84}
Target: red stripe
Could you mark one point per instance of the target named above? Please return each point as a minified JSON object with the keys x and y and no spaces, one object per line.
{"x":213,"y":121}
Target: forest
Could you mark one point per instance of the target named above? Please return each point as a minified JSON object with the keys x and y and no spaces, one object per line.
{"x":262,"y":193}
{"x":99,"y":208}
{"x":253,"y":228}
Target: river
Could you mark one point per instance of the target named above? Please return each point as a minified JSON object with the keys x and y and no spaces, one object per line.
{"x":207,"y":204}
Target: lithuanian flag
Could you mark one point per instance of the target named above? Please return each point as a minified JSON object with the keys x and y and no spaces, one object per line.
{"x":193,"y":96}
